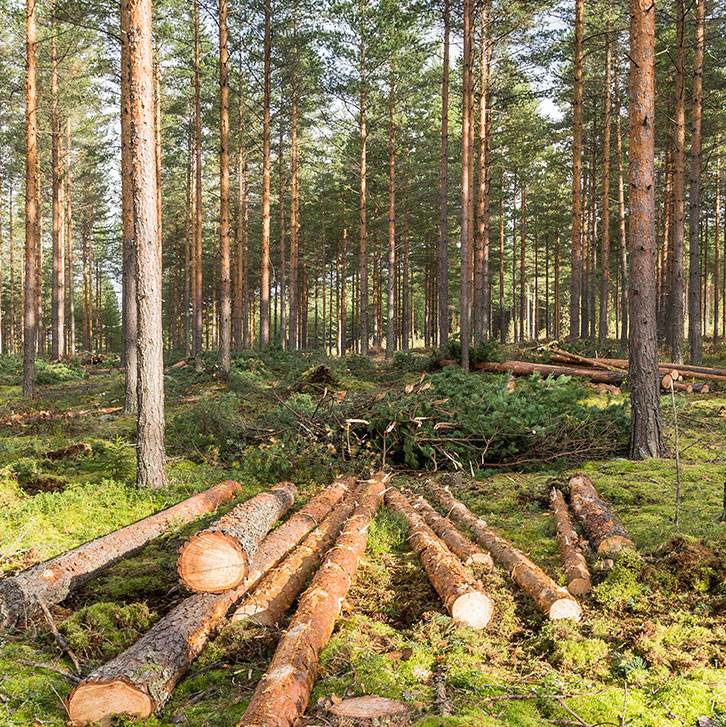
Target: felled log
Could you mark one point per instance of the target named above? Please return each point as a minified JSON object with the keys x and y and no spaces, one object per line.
{"x":51,"y":581}
{"x":573,"y":561}
{"x":604,"y":531}
{"x":141,"y":679}
{"x":705,"y":373}
{"x":566,"y":357}
{"x":456,"y":542}
{"x":463,"y":597}
{"x":283,"y":692}
{"x":273,"y":597}
{"x":72,"y":451}
{"x":553,"y":600}
{"x":444,"y":362}
{"x":667,"y":381}
{"x":215,"y":560}
{"x":524,"y":368}
{"x":370,"y":709}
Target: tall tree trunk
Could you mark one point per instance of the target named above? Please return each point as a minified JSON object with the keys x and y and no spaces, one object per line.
{"x":58,"y":303}
{"x":679,"y":213}
{"x":12,"y":312}
{"x":225,"y":302}
{"x":575,"y":281}
{"x":444,"y":188}
{"x":406,"y":327}
{"x":717,"y":249}
{"x":695,"y":340}
{"x":70,"y":282}
{"x":646,"y":438}
{"x":502,"y":316}
{"x":557,"y":313}
{"x":32,"y":239}
{"x":363,"y":262}
{"x":265,"y":263}
{"x":150,"y":422}
{"x":343,"y":316}
{"x":605,"y":245}
{"x":197,"y":251}
{"x":391,"y":322}
{"x":481,"y":260}
{"x":294,"y":219}
{"x":188,"y":234}
{"x":467,"y":183}
{"x":621,"y":222}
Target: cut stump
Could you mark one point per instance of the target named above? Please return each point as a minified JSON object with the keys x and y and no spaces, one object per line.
{"x":369,"y":708}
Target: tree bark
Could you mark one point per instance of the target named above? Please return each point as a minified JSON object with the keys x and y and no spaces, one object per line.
{"x":391,"y":290}
{"x":294,"y":341}
{"x":523,"y":368}
{"x":363,"y":134}
{"x":225,"y":292}
{"x":52,"y":581}
{"x":646,"y":437}
{"x":602,"y":528}
{"x":274,"y":596}
{"x":576,"y":261}
{"x":265,"y":263}
{"x":717,"y":250}
{"x":197,"y":252}
{"x":458,"y":544}
{"x":467,"y":184}
{"x":141,"y":679}
{"x":444,"y":188}
{"x":555,"y":602}
{"x":573,"y":561}
{"x":624,"y":305}
{"x":283,"y":692}
{"x":32,"y":236}
{"x":695,"y":338}
{"x":462,"y":595}
{"x":605,"y":245}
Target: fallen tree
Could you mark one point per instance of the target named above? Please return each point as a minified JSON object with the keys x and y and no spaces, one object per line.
{"x":553,"y":600}
{"x":72,"y":451}
{"x":456,"y":542}
{"x":51,"y":581}
{"x":573,"y":561}
{"x":277,"y":592}
{"x":141,"y":679}
{"x":524,"y":368}
{"x":283,"y":692}
{"x":215,"y":559}
{"x":462,"y":596}
{"x":604,"y":531}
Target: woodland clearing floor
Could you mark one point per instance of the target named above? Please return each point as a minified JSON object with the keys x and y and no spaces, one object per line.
{"x":650,"y":650}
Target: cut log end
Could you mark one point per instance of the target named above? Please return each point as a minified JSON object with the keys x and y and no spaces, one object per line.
{"x":579,"y":586}
{"x":615,"y":544}
{"x":97,"y":703}
{"x":254,"y":613}
{"x":565,"y":607}
{"x":212,"y":562}
{"x":480,"y":561}
{"x":371,"y":707}
{"x":474,"y":609}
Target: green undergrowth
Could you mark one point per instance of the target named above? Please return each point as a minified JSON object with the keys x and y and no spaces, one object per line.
{"x":654,"y":626}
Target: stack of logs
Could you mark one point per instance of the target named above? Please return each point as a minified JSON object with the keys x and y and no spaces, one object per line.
{"x":238,"y":572}
{"x":609,"y":374}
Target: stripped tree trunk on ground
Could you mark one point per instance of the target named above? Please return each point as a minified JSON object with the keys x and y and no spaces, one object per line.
{"x":463,"y":597}
{"x":573,"y":561}
{"x":458,"y":544}
{"x":522,"y":368}
{"x":602,"y":528}
{"x":274,"y":596}
{"x":141,"y":679}
{"x":215,"y":560}
{"x":283,"y":692}
{"x":51,"y":581}
{"x":554,"y":601}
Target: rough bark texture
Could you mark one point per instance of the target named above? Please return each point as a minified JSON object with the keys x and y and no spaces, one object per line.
{"x":602,"y":528}
{"x":363,"y":140}
{"x":575,"y":282}
{"x":32,"y":229}
{"x":555,"y":602}
{"x":265,"y":263}
{"x":274,"y":596}
{"x":141,"y":679}
{"x":51,"y":581}
{"x":283,"y":692}
{"x":573,"y":561}
{"x":695,"y":342}
{"x":197,"y":243}
{"x":391,"y":288}
{"x":150,"y":471}
{"x":646,"y":434}
{"x":462,"y":595}
{"x":469,"y":553}
{"x":215,"y":560}
{"x":605,"y":246}
{"x":444,"y":188}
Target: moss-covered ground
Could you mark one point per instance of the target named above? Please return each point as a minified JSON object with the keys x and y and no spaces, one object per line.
{"x":649,"y":651}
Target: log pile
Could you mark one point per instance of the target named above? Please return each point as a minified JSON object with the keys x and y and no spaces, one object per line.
{"x":141,"y":679}
{"x":602,"y":529}
{"x":462,"y":595}
{"x":215,"y":559}
{"x":51,"y":582}
{"x":573,"y":561}
{"x":554,"y":601}
{"x":283,"y":692}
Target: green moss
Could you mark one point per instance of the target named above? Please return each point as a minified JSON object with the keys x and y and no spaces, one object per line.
{"x":622,"y":586}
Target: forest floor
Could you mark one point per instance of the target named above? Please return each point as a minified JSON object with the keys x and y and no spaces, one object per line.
{"x":651,"y":647}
